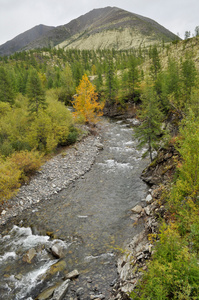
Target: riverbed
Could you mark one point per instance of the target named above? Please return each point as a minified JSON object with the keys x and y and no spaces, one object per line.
{"x":91,"y":216}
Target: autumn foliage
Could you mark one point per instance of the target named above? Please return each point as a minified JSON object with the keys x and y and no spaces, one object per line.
{"x":15,"y":170}
{"x":86,"y":105}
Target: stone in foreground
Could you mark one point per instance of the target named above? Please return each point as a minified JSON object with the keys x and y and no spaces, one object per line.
{"x":137,"y":209}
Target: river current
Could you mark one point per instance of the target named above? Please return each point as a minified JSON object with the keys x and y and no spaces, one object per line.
{"x":92,"y":218}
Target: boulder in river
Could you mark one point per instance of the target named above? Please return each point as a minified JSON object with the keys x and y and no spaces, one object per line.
{"x":58,"y":250}
{"x":60,"y":291}
{"x":30,"y":254}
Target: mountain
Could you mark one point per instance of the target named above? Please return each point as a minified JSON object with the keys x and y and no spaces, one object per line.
{"x":112,"y":27}
{"x":108,"y":27}
{"x":24,"y":39}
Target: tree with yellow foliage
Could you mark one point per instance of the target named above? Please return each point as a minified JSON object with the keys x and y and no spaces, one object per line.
{"x":86,"y":105}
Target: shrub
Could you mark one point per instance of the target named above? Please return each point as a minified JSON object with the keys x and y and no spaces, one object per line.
{"x":9,"y":179}
{"x":174,"y":271}
{"x":26,"y":162}
{"x":6,"y":148}
{"x":72,"y":137}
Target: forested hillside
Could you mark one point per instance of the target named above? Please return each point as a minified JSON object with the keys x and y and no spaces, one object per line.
{"x":161,"y":85}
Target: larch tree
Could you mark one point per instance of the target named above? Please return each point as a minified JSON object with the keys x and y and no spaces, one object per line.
{"x":133,"y":75}
{"x":188,"y":74}
{"x":155,"y":62}
{"x":149,"y":132}
{"x":6,"y":90}
{"x":86,"y":105}
{"x":67,"y":89}
{"x":35,"y":92}
{"x":111,"y":82}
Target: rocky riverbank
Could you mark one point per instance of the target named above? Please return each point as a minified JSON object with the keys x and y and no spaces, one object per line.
{"x":73,"y":163}
{"x":55,"y":175}
{"x":138,"y":251}
{"x":133,"y":262}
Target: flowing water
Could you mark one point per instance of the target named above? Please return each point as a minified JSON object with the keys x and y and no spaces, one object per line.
{"x":91,"y":218}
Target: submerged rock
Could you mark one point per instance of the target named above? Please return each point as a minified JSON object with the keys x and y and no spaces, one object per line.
{"x":48,"y":293}
{"x":57,"y":267}
{"x":30,"y":254}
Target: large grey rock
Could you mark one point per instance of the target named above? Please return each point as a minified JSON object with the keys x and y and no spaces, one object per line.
{"x":60,"y":292}
{"x":58,"y":250}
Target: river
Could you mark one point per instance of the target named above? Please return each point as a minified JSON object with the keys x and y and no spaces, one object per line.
{"x":92,"y":218}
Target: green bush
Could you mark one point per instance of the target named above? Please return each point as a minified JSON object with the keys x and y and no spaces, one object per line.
{"x":72,"y":137}
{"x":173,"y":272}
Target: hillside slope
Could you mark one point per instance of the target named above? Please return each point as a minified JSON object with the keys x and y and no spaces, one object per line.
{"x":103,"y":28}
{"x":24,"y":39}
{"x":116,"y":28}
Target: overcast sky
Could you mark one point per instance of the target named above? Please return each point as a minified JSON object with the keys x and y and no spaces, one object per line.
{"x":17,"y":16}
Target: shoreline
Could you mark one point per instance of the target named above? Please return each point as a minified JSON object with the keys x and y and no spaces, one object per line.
{"x":54,"y":175}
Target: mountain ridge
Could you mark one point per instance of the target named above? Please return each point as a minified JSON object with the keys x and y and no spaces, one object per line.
{"x":23,"y":39}
{"x":92,"y":31}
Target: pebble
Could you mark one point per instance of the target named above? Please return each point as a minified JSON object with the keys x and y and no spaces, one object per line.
{"x":80,"y":291}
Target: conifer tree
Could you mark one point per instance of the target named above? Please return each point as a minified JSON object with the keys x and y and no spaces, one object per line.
{"x":6,"y":90}
{"x":133,"y":75}
{"x":149,"y":132}
{"x":67,"y":89}
{"x":35,"y":92}
{"x":155,"y":62}
{"x":188,"y":73}
{"x":111,"y":82}
{"x":86,"y":106}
